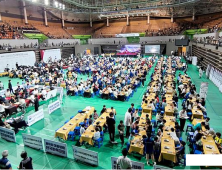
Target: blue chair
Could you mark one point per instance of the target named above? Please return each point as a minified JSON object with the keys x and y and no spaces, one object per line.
{"x":190,"y":136}
{"x":98,"y":142}
{"x":77,"y":130}
{"x":153,"y":132}
{"x":72,"y":117}
{"x":154,"y":112}
{"x":71,"y":135}
{"x":127,"y":98}
{"x":198,"y":152}
{"x":92,"y":95}
{"x":140,"y":109}
{"x":189,"y":128}
{"x":81,"y":123}
{"x":66,"y":121}
{"x":181,"y":139}
{"x":79,"y":111}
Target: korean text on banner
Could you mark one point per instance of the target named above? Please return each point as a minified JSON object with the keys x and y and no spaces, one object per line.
{"x":32,"y":141}
{"x":54,"y":106}
{"x":85,"y":155}
{"x":7,"y":134}
{"x":55,"y":148}
{"x":35,"y":117}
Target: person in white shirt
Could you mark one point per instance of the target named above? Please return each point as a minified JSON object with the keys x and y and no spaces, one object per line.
{"x":151,"y":105}
{"x":1,"y":85}
{"x":2,"y":108}
{"x":7,"y":93}
{"x":44,"y":93}
{"x":35,"y":92}
{"x":82,"y":129}
{"x":96,"y":135}
{"x":123,"y":161}
{"x":127,"y":121}
{"x":174,"y":136}
{"x":32,"y":98}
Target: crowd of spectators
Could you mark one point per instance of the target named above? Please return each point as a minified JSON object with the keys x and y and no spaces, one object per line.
{"x":9,"y":32}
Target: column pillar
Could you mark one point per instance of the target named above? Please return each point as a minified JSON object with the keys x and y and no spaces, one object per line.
{"x":45,"y":16}
{"x":25,"y":13}
{"x":90,"y":20}
{"x":107,"y":22}
{"x":148,"y":19}
{"x":62,"y":18}
{"x":127,"y":20}
{"x":193,"y":16}
{"x":172,"y":18}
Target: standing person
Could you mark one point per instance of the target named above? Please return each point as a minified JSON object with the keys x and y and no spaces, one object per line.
{"x":26,"y":163}
{"x":123,"y":161}
{"x":36,"y":103}
{"x":10,"y":86}
{"x":4,"y":162}
{"x":127,"y":121}
{"x":149,"y":144}
{"x":182,"y":116}
{"x":111,"y":127}
{"x":200,"y":72}
{"x":121,"y":129}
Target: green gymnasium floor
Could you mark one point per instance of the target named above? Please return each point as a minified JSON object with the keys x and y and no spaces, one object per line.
{"x":46,"y":128}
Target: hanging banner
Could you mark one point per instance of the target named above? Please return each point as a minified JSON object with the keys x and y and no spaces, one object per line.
{"x":135,"y":165}
{"x":32,"y":141}
{"x":55,"y":148}
{"x":203,"y":90}
{"x":54,"y":106}
{"x":7,"y":134}
{"x":85,"y":155}
{"x":35,"y":117}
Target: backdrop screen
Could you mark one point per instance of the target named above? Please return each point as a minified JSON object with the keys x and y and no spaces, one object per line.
{"x":129,"y":49}
{"x":153,"y":49}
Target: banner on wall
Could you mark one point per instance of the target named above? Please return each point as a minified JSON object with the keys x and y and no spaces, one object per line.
{"x":135,"y":165}
{"x":85,"y":155}
{"x":7,"y":134}
{"x":55,"y":148}
{"x":32,"y":141}
{"x":53,"y":55}
{"x":203,"y":90}
{"x":35,"y":117}
{"x":22,"y":58}
{"x":54,"y":106}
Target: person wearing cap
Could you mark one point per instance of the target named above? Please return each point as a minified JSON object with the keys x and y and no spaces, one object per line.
{"x":4,"y":162}
{"x":26,"y":163}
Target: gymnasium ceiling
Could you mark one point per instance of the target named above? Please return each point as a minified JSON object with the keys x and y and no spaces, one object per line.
{"x":100,"y":9}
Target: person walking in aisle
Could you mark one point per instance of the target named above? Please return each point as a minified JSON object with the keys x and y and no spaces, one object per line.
{"x":121,"y":129}
{"x":183,"y":117}
{"x":10,"y":86}
{"x":26,"y":163}
{"x":200,"y":72}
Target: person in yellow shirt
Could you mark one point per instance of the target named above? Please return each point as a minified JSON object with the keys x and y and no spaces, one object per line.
{"x":218,"y":140}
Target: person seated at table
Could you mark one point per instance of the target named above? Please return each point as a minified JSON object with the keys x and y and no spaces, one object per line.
{"x":95,"y":115}
{"x":209,"y":131}
{"x":7,"y":93}
{"x":145,"y":104}
{"x":134,"y":125}
{"x":32,"y":98}
{"x":2,"y":99}
{"x":151,"y":105}
{"x":180,"y":150}
{"x":99,"y":127}
{"x":82,"y":129}
{"x":22,"y":103}
{"x":199,"y":142}
{"x":103,"y":109}
{"x":35,"y":92}
{"x":177,"y":129}
{"x":199,"y":125}
{"x":12,"y":100}
{"x":96,"y":135}
{"x":90,"y":120}
{"x":159,"y":117}
{"x":44,"y":93}
{"x":149,"y":127}
{"x":131,"y":138}
{"x":136,"y":130}
{"x":218,"y":140}
{"x":86,"y":123}
{"x":2,"y":109}
{"x":174,"y":136}
{"x":207,"y":121}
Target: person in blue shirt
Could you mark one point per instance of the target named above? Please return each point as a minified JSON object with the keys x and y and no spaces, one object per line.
{"x":4,"y":162}
{"x":148,"y":146}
